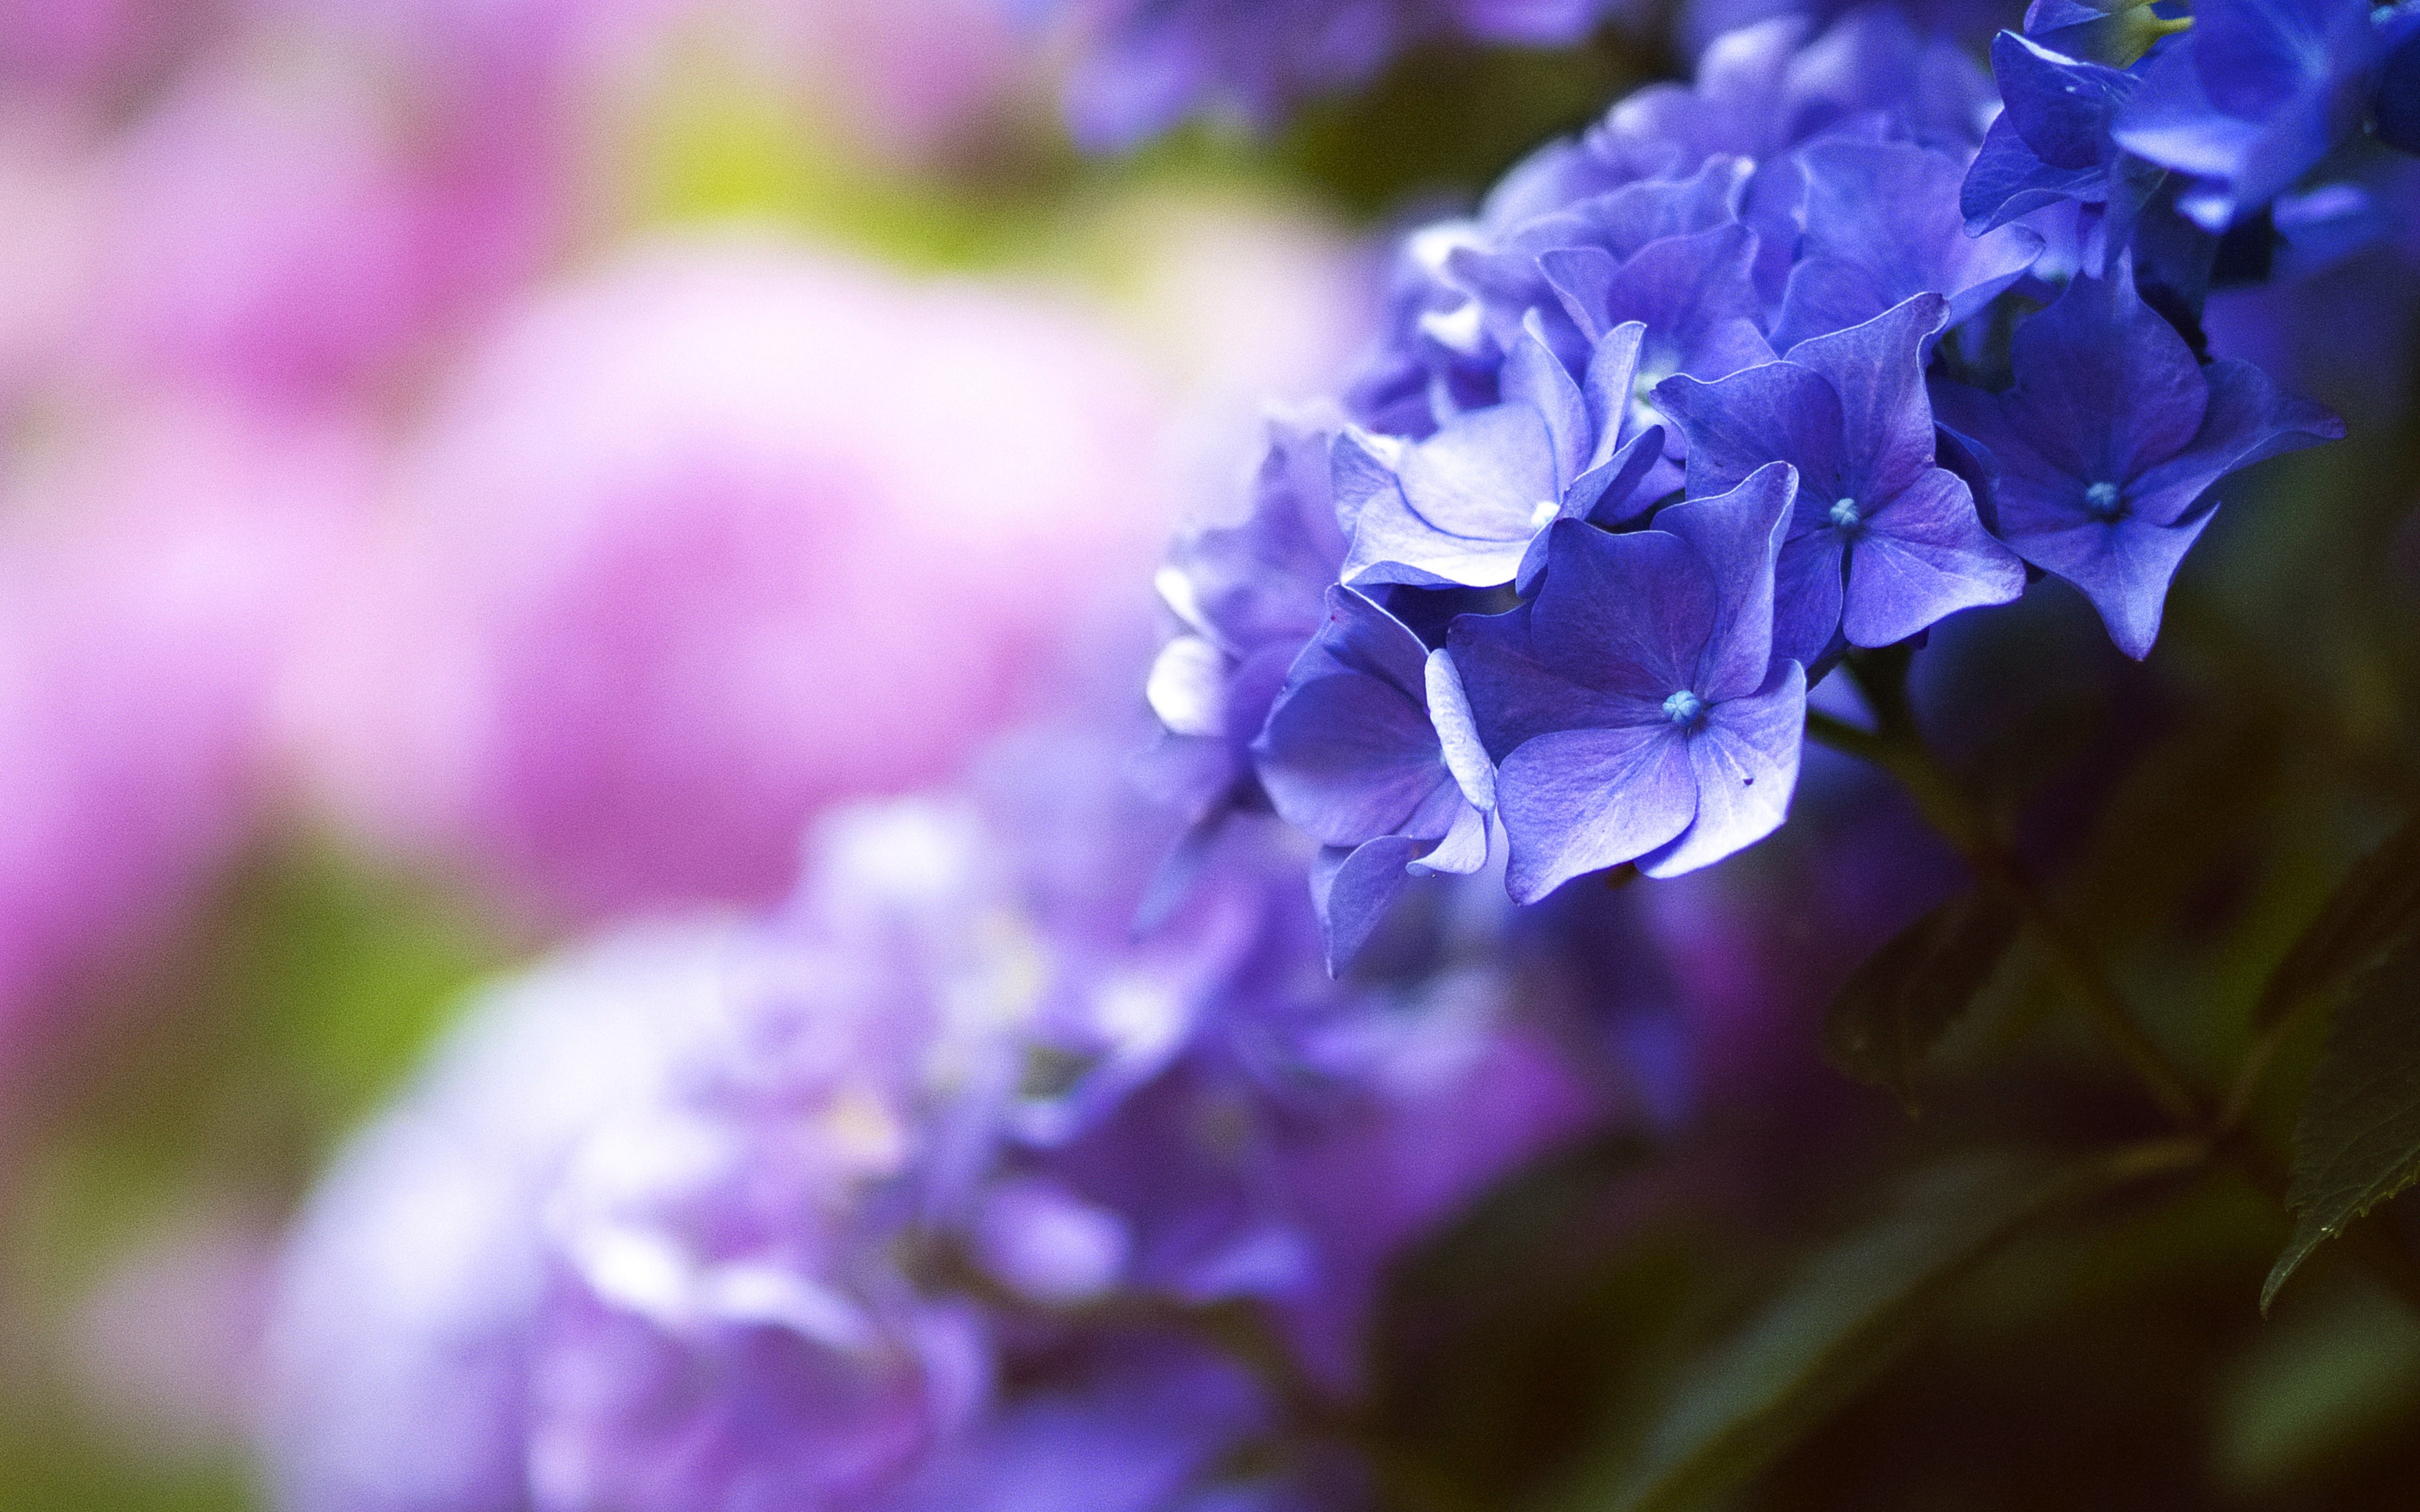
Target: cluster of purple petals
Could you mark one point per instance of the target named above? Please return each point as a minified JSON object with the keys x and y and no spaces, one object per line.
{"x":1795,"y":359}
{"x":1146,"y":65}
{"x":917,"y":1195}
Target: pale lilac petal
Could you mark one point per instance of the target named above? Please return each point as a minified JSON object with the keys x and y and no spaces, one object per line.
{"x":1746,"y":766}
{"x":1923,"y":556}
{"x":1463,"y":851}
{"x":1465,"y":755}
{"x":1736,"y":537}
{"x":1577,"y":801}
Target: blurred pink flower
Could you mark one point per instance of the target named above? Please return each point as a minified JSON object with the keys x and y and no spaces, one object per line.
{"x":150,"y":576}
{"x":82,"y":47}
{"x":269,"y":228}
{"x":724,"y":534}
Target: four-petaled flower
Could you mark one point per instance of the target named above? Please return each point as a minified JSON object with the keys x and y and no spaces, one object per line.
{"x":2102,"y":453}
{"x":1882,"y":542}
{"x":1635,"y":708}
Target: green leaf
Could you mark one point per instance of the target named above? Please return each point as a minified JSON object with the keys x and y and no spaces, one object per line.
{"x":2375,"y":909}
{"x":2357,"y":1142}
{"x":1894,"y":1008}
{"x":1840,"y":1321}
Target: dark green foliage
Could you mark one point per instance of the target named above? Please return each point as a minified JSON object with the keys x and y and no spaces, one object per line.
{"x":2357,"y":1142}
{"x":1839,"y":1320}
{"x":2377,"y":908}
{"x":1885,"y":1021}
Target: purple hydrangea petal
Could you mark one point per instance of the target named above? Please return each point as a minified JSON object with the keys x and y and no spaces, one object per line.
{"x":1876,"y":370}
{"x":1745,"y":765}
{"x":1576,"y":801}
{"x":2124,"y":568}
{"x":1353,"y":888}
{"x":1924,"y":555}
{"x":2105,"y":387}
{"x":1776,"y":412}
{"x":1611,"y":385}
{"x":1349,"y":753}
{"x":1736,"y":536}
{"x":1623,"y":613}
{"x":1883,"y":225}
{"x":1535,"y":379}
{"x":2249,"y":419}
{"x":1809,"y":586}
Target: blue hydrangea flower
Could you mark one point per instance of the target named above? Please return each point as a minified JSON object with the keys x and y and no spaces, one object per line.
{"x":1370,"y":751}
{"x":1470,"y":505}
{"x":1882,"y":542}
{"x":1883,"y":225}
{"x":2251,"y":97}
{"x":1635,"y":708}
{"x":2052,"y":143}
{"x":1151,"y":62}
{"x":2103,"y":455}
{"x":1461,"y":290}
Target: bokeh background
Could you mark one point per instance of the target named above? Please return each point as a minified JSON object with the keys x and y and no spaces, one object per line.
{"x":477,"y":472}
{"x":462,"y":469}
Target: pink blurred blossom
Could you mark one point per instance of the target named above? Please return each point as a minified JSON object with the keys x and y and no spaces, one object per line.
{"x":152,"y":573}
{"x":269,"y":228}
{"x":718,"y":536}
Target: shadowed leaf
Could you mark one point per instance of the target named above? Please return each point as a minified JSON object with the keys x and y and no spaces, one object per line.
{"x":2376,"y":908}
{"x":2357,"y":1142}
{"x":1840,"y":1321}
{"x":1885,"y":1021}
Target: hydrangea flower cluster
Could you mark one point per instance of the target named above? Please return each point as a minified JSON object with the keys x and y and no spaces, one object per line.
{"x":935,"y":1189}
{"x":1796,"y":359}
{"x":1148,"y":64}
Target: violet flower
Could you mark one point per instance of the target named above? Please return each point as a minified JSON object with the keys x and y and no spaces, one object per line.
{"x":2102,"y":455}
{"x":1882,"y":542}
{"x":1635,"y":709}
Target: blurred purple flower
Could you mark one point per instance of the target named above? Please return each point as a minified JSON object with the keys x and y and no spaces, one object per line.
{"x":1148,"y":64}
{"x":1370,"y":751}
{"x":270,"y":231}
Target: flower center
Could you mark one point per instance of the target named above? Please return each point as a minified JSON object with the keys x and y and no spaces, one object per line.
{"x":1844,"y":514}
{"x":1545,"y":514}
{"x":2103,"y":500}
{"x":1683,"y":707}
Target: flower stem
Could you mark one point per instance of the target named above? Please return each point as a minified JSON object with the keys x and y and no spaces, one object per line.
{"x":1897,"y":746}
